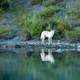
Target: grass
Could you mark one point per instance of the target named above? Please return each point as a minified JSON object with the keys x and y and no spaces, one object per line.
{"x":1,"y":11}
{"x":34,"y":2}
{"x":5,"y":32}
{"x":72,"y":35}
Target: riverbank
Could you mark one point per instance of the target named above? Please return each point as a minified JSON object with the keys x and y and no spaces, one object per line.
{"x":37,"y":43}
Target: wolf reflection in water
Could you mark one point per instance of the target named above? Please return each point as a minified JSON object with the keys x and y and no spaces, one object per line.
{"x":47,"y":57}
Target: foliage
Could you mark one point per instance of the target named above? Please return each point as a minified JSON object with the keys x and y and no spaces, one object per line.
{"x":22,"y":21}
{"x":48,"y":18}
{"x":1,"y":11}
{"x":48,"y":2}
{"x":4,"y":3}
{"x":36,"y":26}
{"x":51,"y":2}
{"x":44,"y":20}
{"x":48,"y":11}
{"x":6,"y":32}
{"x":72,"y":35}
{"x":36,"y":2}
{"x":30,"y":27}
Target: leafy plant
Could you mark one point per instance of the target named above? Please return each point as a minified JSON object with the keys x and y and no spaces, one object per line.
{"x":7,"y":33}
{"x":36,"y":2}
{"x":5,"y":3}
{"x":72,"y":35}
{"x":51,"y":2}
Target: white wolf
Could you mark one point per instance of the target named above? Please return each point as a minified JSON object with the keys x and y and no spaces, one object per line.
{"x":47,"y":34}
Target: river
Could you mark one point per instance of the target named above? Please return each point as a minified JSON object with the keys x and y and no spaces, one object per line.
{"x":39,"y":64}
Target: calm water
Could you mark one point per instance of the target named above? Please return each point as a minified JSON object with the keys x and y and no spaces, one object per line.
{"x":42,"y":64}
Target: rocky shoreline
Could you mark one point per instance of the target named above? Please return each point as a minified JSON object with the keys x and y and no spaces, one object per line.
{"x":37,"y":43}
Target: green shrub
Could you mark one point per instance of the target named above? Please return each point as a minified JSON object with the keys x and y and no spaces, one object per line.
{"x":72,"y":35}
{"x":33,"y":25}
{"x":48,"y":2}
{"x":23,"y":22}
{"x":60,"y":25}
{"x":51,"y":2}
{"x":4,"y":31}
{"x":36,"y":2}
{"x":77,"y":28}
{"x":48,"y":11}
{"x":1,"y":11}
{"x":36,"y":27}
{"x":7,"y":32}
{"x":30,"y":25}
{"x":46,"y":19}
{"x":5,"y":3}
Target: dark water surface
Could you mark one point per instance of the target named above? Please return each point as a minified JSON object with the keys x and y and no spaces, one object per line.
{"x":30,"y":66}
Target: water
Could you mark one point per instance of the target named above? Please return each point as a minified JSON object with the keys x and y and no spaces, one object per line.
{"x":27,"y":64}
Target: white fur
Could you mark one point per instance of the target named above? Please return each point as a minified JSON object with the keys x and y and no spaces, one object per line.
{"x":49,"y":57}
{"x":48,"y":34}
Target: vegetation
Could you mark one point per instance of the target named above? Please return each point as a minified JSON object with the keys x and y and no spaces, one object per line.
{"x":48,"y":18}
{"x":36,"y":2}
{"x":72,"y":35}
{"x":33,"y":25}
{"x":4,"y":4}
{"x":6,"y":33}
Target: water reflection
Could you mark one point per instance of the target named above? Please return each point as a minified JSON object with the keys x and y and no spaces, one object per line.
{"x":47,"y":57}
{"x":27,"y":65}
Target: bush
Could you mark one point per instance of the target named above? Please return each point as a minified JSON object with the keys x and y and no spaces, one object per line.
{"x":48,"y":11}
{"x":60,"y":26}
{"x":34,"y":2}
{"x":7,"y":33}
{"x":48,"y":2}
{"x":72,"y":35}
{"x":47,"y":19}
{"x":51,"y":2}
{"x":37,"y":25}
{"x":4,"y":4}
{"x":31,"y":26}
{"x":3,"y":31}
{"x":1,"y":11}
{"x":44,"y":20}
{"x":23,"y":22}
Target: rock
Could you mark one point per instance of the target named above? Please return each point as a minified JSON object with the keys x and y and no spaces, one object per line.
{"x":17,"y":46}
